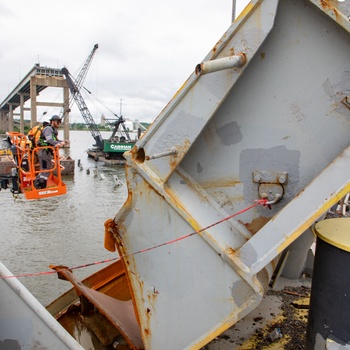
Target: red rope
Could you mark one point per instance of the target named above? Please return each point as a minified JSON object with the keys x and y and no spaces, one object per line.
{"x":260,"y":202}
{"x":58,"y":270}
{"x":43,"y":273}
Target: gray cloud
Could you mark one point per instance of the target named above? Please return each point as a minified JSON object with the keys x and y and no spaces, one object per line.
{"x":147,"y":49}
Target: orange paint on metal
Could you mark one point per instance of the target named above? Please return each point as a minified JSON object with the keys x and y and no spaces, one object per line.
{"x":113,"y":300}
{"x":109,"y":241}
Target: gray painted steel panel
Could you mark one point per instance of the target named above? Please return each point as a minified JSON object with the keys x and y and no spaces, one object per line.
{"x":275,"y":126}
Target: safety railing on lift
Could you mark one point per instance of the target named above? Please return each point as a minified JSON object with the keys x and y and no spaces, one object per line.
{"x":28,"y":168}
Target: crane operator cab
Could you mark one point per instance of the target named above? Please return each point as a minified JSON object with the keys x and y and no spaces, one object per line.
{"x":27,"y":169}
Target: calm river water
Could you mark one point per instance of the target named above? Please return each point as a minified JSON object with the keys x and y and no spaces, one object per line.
{"x":67,"y":230}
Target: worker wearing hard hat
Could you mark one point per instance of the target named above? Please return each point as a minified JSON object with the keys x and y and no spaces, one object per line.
{"x":48,"y":137}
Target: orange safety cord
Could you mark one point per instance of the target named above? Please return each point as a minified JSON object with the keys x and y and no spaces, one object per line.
{"x":28,"y":169}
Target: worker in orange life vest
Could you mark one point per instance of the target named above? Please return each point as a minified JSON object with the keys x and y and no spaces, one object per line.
{"x":48,"y":138}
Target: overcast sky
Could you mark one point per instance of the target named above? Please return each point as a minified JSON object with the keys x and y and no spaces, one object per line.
{"x":147,"y":49}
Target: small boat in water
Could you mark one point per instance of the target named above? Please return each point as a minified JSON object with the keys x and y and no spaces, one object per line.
{"x":122,"y":140}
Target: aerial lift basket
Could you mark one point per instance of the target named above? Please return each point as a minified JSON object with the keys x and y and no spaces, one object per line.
{"x":27,"y":166}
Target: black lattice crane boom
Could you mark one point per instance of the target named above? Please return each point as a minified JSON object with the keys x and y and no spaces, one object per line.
{"x":82,"y":74}
{"x":84,"y":110}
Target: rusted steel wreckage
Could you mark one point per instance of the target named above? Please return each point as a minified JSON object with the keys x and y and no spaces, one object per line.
{"x":262,"y":123}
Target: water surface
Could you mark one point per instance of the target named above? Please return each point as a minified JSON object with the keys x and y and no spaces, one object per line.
{"x":63,"y":230}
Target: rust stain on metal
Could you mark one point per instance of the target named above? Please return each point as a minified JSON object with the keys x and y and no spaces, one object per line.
{"x":243,"y":58}
{"x":215,"y":48}
{"x":116,"y":233}
{"x":256,"y":224}
{"x":230,"y":251}
{"x":118,"y":312}
{"x":147,"y":325}
{"x":329,"y":7}
{"x":180,"y":151}
{"x":346,"y":101}
{"x":152,"y":296}
{"x":129,"y":266}
{"x":111,"y":232}
{"x":146,"y":329}
{"x":326,"y":5}
{"x":138,"y":154}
